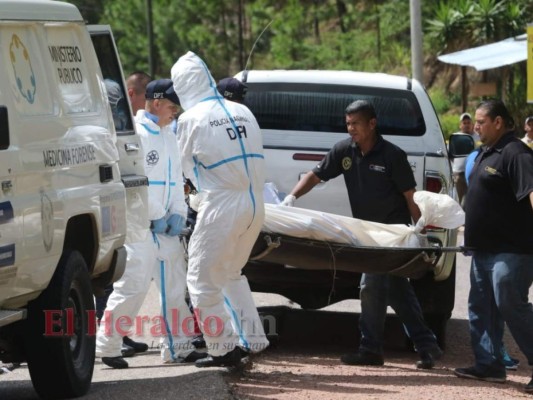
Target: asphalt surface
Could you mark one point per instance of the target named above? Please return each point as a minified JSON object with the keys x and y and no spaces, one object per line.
{"x":146,"y":378}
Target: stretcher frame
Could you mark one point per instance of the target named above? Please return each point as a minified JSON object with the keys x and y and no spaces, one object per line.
{"x":323,"y":255}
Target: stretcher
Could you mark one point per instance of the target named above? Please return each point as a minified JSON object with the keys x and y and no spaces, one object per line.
{"x":323,"y":255}
{"x":312,"y":240}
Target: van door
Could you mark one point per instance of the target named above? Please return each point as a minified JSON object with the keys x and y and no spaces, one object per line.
{"x":10,"y":232}
{"x":128,"y":142}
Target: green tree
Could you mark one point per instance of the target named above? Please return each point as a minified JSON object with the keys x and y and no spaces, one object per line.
{"x":89,"y":9}
{"x":209,"y":28}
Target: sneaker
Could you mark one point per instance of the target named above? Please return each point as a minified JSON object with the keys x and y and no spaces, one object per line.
{"x":474,"y":373}
{"x":115,"y":362}
{"x":510,"y":362}
{"x":362,"y":358}
{"x":193,"y":356}
{"x":127,"y":351}
{"x":529,"y":386}
{"x":5,"y":368}
{"x":230,"y":359}
{"x":138,"y":347}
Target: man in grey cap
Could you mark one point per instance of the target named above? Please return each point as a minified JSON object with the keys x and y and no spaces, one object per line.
{"x":466,"y":127}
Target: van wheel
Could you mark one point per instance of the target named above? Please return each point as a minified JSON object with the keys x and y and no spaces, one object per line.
{"x":59,"y":344}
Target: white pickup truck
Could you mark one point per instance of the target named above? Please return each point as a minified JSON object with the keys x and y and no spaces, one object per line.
{"x":301,"y":115}
{"x":72,"y":192}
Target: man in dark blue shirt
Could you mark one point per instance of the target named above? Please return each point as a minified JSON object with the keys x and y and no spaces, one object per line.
{"x":380,"y":186}
{"x":499,"y":232}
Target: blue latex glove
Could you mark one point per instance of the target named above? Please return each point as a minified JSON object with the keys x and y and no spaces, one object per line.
{"x":159,"y":225}
{"x":176,"y":223}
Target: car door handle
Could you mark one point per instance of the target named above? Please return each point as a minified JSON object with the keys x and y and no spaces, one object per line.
{"x":130,"y":147}
{"x":6,"y":186}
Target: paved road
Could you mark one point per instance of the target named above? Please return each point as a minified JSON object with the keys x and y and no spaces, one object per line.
{"x":148,"y":378}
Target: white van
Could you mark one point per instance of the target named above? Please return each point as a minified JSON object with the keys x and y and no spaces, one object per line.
{"x":301,"y":115}
{"x":73,"y":191}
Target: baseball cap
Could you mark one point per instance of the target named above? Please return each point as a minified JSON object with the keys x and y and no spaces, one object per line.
{"x":161,"y":89}
{"x":465,"y":115}
{"x":232,"y":89}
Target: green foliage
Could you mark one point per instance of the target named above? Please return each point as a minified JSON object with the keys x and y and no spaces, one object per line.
{"x":446,"y":105}
{"x":309,"y":34}
{"x":457,"y":24}
{"x":516,"y":99}
{"x":441,"y":100}
{"x":128,"y":21}
{"x":448,"y":28}
{"x":449,"y":124}
{"x":90,"y":9}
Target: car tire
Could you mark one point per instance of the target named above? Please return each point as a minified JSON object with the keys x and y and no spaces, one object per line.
{"x":61,"y":353}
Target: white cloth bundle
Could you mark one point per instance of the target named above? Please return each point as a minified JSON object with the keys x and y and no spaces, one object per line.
{"x":437,"y":210}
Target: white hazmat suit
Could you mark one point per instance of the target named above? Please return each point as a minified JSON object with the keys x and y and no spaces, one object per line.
{"x":222,"y":153}
{"x":160,"y":257}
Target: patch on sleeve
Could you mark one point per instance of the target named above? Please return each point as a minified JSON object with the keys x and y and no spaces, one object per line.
{"x":346,"y":163}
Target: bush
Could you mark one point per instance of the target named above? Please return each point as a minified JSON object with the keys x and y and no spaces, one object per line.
{"x":449,"y":124}
{"x":440,"y":99}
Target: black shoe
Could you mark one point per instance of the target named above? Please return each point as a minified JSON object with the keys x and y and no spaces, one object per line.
{"x":529,"y":386}
{"x":244,"y":353}
{"x":230,"y":359}
{"x":138,"y":347}
{"x":362,"y":358}
{"x":426,"y":360}
{"x":194,"y":356}
{"x":115,"y":362}
{"x":474,"y":373}
{"x":198,"y":342}
{"x":127,"y":351}
{"x":436,"y":353}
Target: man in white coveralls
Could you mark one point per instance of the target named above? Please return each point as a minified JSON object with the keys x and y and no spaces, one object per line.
{"x":161,"y":255}
{"x":222,"y":153}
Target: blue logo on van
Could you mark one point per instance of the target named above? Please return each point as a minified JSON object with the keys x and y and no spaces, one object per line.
{"x":24,"y":76}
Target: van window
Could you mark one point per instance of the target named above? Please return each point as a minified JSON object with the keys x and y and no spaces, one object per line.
{"x":25,"y":73}
{"x":117,"y":95}
{"x":69,"y":62}
{"x":320,"y":108}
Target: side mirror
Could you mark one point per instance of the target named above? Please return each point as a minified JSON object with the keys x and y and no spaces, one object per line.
{"x":4,"y":128}
{"x":461,"y":145}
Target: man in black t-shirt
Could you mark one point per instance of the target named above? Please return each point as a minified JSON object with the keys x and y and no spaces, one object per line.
{"x":380,"y":186}
{"x":499,"y":232}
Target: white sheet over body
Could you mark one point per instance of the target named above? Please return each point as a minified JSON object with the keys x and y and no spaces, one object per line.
{"x":438,"y":210}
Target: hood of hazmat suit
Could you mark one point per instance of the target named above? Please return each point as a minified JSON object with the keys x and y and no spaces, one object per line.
{"x":220,"y":141}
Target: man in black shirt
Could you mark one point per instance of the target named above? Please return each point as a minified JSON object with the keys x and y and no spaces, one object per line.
{"x":380,"y":186}
{"x":499,"y":231}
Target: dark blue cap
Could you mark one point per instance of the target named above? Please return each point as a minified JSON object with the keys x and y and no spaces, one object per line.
{"x":161,"y":89}
{"x":232,"y":89}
